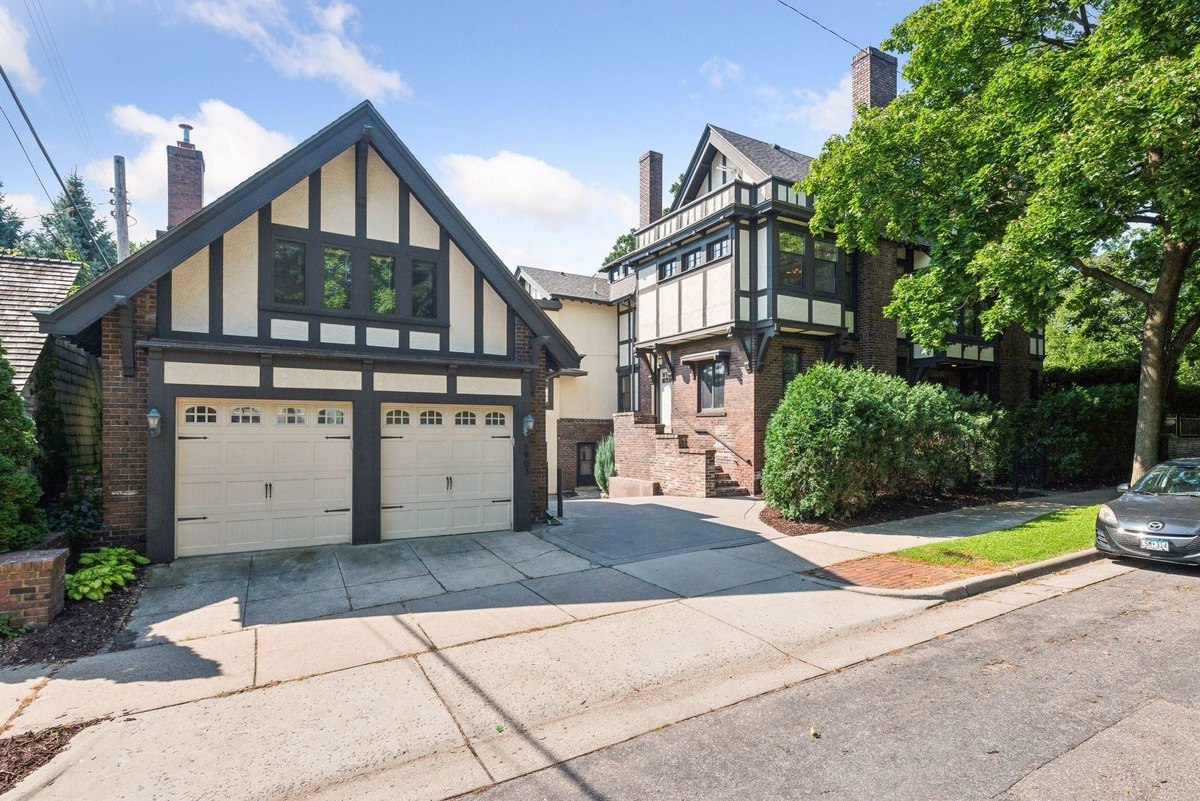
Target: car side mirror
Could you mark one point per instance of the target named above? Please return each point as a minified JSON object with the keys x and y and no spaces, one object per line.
{"x":1123,"y":487}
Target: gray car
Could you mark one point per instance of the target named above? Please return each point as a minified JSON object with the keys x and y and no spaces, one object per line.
{"x":1157,"y":518}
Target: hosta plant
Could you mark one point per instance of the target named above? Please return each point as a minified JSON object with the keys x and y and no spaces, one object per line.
{"x":103,"y":571}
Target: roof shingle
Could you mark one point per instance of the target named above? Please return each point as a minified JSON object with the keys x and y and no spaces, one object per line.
{"x":574,"y":286}
{"x":771,"y":159}
{"x":28,"y":283}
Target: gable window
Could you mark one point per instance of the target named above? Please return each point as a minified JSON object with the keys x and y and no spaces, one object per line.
{"x":464,"y":418}
{"x":331,"y":417}
{"x":383,"y":284}
{"x":719,"y":249}
{"x":668,"y":268}
{"x":199,"y":414}
{"x":245,"y":415}
{"x":337,"y":278}
{"x":791,"y":255}
{"x":424,"y":289}
{"x":793,"y":365}
{"x":825,"y":266}
{"x":692,"y":260}
{"x":289,"y":273}
{"x":290,"y":416}
{"x":712,"y":386}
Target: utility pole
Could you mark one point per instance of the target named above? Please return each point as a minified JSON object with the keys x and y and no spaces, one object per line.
{"x":120,"y":208}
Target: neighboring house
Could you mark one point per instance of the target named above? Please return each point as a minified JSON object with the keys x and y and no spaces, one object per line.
{"x":49,"y":369}
{"x":736,"y":296}
{"x":581,"y":403}
{"x":329,"y":353}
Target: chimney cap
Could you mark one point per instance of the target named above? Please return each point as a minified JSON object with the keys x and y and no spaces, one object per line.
{"x":187,"y":131}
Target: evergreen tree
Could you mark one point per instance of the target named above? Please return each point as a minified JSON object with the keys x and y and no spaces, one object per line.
{"x":22,"y":523}
{"x":12,"y":228}
{"x":63,"y":236}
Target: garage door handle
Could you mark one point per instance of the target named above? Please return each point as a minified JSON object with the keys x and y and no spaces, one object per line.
{"x":332,"y":437}
{"x":395,"y":506}
{"x":449,"y":483}
{"x":501,"y":436}
{"x":193,"y":437}
{"x":502,"y":500}
{"x":185,"y":519}
{"x":391,"y":436}
{"x":347,"y":509}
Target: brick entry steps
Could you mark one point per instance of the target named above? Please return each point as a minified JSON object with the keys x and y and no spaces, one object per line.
{"x":646,"y":452}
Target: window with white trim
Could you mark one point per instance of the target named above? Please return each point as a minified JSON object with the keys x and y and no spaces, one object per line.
{"x":200,"y":414}
{"x":331,"y":417}
{"x":431,"y":418}
{"x":464,"y":418}
{"x":494,"y":419}
{"x":396,"y":417}
{"x":245,"y":415}
{"x":291,"y":416}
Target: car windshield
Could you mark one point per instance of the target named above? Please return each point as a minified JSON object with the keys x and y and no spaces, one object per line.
{"x":1170,"y":479}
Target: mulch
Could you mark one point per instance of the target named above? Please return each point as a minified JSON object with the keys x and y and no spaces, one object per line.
{"x":83,"y":628}
{"x":895,"y":573}
{"x":887,"y":510}
{"x":25,"y":753}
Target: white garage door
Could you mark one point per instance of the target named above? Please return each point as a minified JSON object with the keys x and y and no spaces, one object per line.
{"x":255,"y":474}
{"x":445,"y":469}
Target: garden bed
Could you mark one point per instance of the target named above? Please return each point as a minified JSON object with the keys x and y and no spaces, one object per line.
{"x":82,"y":629}
{"x":887,"y":510}
{"x":25,"y":753}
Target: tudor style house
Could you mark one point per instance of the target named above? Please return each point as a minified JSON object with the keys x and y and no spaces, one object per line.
{"x":594,"y":314}
{"x":329,"y":353}
{"x":735,"y":296}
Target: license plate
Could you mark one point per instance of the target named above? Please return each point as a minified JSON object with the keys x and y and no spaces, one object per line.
{"x":1155,"y":544}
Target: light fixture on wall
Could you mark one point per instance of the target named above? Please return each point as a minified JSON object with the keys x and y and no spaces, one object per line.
{"x":527,"y":424}
{"x":153,"y":422}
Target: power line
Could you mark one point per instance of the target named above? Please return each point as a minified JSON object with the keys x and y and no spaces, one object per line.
{"x":819,"y":24}
{"x":37,"y":175}
{"x":21,"y":107}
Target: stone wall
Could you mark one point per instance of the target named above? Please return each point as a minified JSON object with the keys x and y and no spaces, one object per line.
{"x":31,"y":586}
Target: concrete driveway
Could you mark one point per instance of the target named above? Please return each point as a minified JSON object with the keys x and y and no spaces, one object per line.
{"x":435,"y":667}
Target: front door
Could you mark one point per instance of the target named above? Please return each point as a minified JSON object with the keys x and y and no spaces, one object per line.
{"x":586,"y":471}
{"x":665,"y":383}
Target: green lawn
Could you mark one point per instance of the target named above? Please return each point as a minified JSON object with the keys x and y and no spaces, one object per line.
{"x":1044,"y":537}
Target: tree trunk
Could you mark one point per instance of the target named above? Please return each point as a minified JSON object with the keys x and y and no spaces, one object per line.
{"x":1156,"y":366}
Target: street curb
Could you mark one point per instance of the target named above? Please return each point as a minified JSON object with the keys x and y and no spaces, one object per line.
{"x":964,"y":588}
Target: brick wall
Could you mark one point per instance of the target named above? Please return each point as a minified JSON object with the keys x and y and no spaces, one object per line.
{"x":650,"y":182}
{"x":571,"y":432}
{"x":123,"y":452}
{"x":769,"y":386}
{"x":873,"y":78}
{"x":1015,"y":364}
{"x":31,"y":586}
{"x":185,"y":182}
{"x":538,"y":479}
{"x":644,"y":452}
{"x":876,"y":335}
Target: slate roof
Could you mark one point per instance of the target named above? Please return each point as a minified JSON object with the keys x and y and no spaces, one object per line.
{"x":771,"y":159}
{"x":27,"y":283}
{"x":573,"y":286}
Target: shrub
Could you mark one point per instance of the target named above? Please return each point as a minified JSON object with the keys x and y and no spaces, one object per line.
{"x":102,"y":572}
{"x":22,"y":523}
{"x":841,"y":438}
{"x":76,"y":514}
{"x":1083,"y":432}
{"x":606,"y":463}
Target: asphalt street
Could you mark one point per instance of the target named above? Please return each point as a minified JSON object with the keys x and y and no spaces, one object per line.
{"x":1090,"y":695}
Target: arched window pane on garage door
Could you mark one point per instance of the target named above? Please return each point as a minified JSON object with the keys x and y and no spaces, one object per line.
{"x":396,"y":417}
{"x":431,"y":418}
{"x":290,"y":416}
{"x":494,"y":419}
{"x":200,"y":414}
{"x":464,"y":418}
{"x":245,"y":415}
{"x":331,"y":417}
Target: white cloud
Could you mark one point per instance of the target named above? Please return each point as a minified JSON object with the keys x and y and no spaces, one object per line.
{"x":14,"y":53}
{"x":325,"y":53}
{"x":719,"y":71}
{"x":821,"y":114}
{"x":234,"y":145}
{"x":28,"y":206}
{"x":534,"y":213}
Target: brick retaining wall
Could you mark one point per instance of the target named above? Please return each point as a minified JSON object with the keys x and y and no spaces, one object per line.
{"x":31,"y":586}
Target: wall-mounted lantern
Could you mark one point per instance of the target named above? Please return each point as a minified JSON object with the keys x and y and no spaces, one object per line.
{"x":154,"y":422}
{"x":527,"y":424}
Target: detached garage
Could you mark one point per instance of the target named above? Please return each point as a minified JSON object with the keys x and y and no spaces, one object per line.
{"x":327,"y":354}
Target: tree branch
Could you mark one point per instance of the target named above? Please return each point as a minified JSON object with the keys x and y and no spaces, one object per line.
{"x":1054,"y":41}
{"x":1184,"y":335}
{"x":1084,"y":22}
{"x":1148,"y":219}
{"x":1104,"y":277}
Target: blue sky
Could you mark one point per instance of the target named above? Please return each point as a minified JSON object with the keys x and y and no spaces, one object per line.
{"x":531,"y":115}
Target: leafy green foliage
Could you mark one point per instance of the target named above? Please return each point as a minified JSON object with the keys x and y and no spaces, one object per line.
{"x":1085,"y":433}
{"x":63,"y":235}
{"x":50,"y":426}
{"x":22,"y":523}
{"x":102,"y":572}
{"x":841,"y":439}
{"x":1038,"y":136}
{"x":624,"y":245}
{"x":605,"y":462}
{"x":10,"y":630}
{"x":12,"y":227}
{"x":1055,"y":534}
{"x":76,"y":514}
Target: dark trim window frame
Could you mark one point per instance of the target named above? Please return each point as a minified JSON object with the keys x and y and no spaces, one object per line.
{"x":719,"y":249}
{"x":288,"y":269}
{"x":692,"y":260}
{"x":793,"y":365}
{"x":803,"y":263}
{"x":668,"y":268}
{"x":710,"y":385}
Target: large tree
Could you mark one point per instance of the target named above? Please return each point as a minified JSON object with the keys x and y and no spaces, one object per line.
{"x":64,"y":233}
{"x":12,"y":228}
{"x":1037,"y":136}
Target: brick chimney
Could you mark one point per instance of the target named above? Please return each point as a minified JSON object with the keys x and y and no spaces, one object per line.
{"x":185,"y":179}
{"x":873,"y":78}
{"x":650,"y":172}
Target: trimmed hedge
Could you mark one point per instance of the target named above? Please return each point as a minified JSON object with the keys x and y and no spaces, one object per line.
{"x":842,"y":438}
{"x":1083,"y":433}
{"x":22,"y":523}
